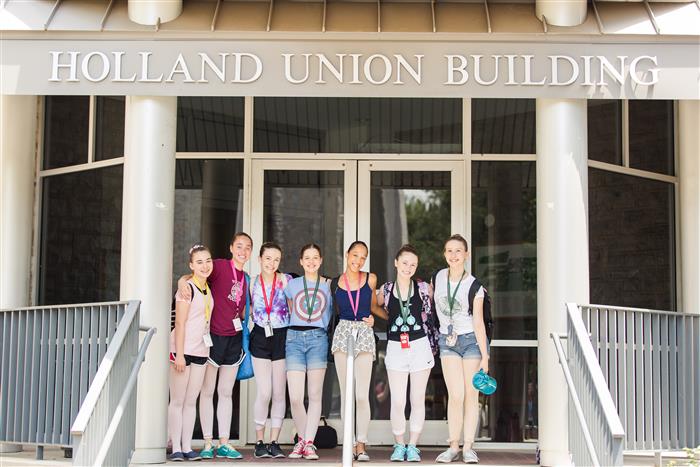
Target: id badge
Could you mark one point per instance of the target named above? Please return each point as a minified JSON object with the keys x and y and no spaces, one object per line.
{"x":268,"y":330}
{"x":237,"y":325}
{"x":451,"y":339}
{"x":405,"y":343}
{"x":207,"y":340}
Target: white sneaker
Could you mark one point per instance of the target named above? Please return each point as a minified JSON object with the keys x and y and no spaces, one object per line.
{"x":448,"y":456}
{"x":470,"y":457}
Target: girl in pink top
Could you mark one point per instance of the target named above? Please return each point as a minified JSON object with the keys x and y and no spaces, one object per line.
{"x":189,"y":350}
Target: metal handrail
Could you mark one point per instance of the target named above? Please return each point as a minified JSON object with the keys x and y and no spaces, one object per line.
{"x":104,"y":430}
{"x":604,"y":447}
{"x":575,"y":399}
{"x":124,"y":399}
{"x":601,"y":388}
{"x":103,"y":372}
{"x":348,"y":419}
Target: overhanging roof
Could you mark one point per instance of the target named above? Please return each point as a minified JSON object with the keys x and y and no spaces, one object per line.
{"x":214,"y":17}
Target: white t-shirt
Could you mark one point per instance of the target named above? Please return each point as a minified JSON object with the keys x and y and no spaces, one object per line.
{"x":461,"y":319}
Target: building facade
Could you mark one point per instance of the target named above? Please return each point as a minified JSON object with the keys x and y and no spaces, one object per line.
{"x":561,"y":138}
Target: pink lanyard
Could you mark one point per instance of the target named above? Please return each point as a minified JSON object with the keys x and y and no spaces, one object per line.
{"x":268,"y":305}
{"x":354,"y":304}
{"x":238,"y":283}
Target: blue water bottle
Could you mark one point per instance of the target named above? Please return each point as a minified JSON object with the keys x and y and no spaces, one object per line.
{"x":484,"y":383}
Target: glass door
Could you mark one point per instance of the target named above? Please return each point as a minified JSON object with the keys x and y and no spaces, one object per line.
{"x":417,"y":202}
{"x":294,"y":203}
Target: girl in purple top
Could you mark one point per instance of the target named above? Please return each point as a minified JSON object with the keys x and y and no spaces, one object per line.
{"x":267,"y":346}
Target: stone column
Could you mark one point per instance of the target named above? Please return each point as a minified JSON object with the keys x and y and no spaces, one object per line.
{"x":689,"y":187}
{"x":146,"y":258}
{"x":562,"y":255}
{"x":17,"y":173}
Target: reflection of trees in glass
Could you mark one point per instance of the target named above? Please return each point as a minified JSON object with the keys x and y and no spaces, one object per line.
{"x":428,"y":221}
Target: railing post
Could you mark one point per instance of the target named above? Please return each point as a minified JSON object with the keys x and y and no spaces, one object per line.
{"x":349,"y":415}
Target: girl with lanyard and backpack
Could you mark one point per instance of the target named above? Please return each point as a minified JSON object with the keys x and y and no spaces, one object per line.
{"x":355,"y":300}
{"x":309,"y":300}
{"x":412,"y":343}
{"x":189,"y":349}
{"x":463,"y":346}
{"x":270,"y":315}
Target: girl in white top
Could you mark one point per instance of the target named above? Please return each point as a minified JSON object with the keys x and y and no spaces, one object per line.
{"x":463,"y":347}
{"x":189,"y":350}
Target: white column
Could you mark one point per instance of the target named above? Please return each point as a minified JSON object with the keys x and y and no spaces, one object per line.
{"x":17,"y":171}
{"x":562,"y":255}
{"x":562,"y":12}
{"x":146,"y":258}
{"x":689,"y":174}
{"x":152,"y":12}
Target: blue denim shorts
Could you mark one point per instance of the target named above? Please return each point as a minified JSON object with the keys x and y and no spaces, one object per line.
{"x":465,"y":347}
{"x":307,"y":350}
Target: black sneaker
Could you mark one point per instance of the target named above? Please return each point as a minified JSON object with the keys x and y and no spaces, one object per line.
{"x":275,"y":451}
{"x":261,"y":450}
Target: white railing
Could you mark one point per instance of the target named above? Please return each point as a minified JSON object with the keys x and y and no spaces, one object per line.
{"x":49,"y":357}
{"x":597,"y":438}
{"x":349,"y":415}
{"x":104,"y":430}
{"x":651,"y":362}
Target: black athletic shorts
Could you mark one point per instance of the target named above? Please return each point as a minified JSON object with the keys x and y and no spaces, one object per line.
{"x":270,"y":348}
{"x":190,"y":359}
{"x":226,"y":350}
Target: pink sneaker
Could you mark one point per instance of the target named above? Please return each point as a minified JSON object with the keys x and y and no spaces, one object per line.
{"x":298,"y":450}
{"x":310,"y":451}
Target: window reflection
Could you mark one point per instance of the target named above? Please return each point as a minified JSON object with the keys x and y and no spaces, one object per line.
{"x":210,"y":124}
{"x":504,"y":251}
{"x":503,"y":126}
{"x":651,"y":135}
{"x":109,"y":127}
{"x":605,"y":131}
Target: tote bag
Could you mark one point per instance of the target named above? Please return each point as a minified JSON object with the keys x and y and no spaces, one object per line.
{"x":245,"y":369}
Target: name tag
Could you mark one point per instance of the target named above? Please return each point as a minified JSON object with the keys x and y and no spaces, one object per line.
{"x":207,"y":340}
{"x":268,"y":330}
{"x":237,"y":325}
{"x":405,"y":344}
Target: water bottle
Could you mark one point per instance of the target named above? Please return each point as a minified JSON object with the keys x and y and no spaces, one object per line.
{"x":484,"y":383}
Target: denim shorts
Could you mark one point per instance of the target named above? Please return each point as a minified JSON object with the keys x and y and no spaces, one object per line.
{"x":465,"y":347}
{"x":307,"y":350}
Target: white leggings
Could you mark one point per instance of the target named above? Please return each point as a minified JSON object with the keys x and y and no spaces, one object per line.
{"x":270,"y":383}
{"x":306,"y":421}
{"x":184,"y":389}
{"x":224,"y":406}
{"x":463,"y":399}
{"x":363,"y":374}
{"x":398,"y":382}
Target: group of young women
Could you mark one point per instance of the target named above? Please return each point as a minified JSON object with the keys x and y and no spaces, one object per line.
{"x":293,"y":319}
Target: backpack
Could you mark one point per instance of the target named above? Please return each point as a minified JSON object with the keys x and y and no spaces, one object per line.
{"x":488,"y":318}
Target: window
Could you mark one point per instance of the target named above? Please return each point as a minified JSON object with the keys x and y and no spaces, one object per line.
{"x":358,"y":125}
{"x":503,"y":126}
{"x":605,"y":131}
{"x":632,"y":241}
{"x":81,"y":204}
{"x":210,"y":124}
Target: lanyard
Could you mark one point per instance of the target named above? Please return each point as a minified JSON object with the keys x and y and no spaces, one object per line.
{"x":451,"y":297}
{"x":405,"y":306}
{"x":237,"y":283}
{"x":310,"y":308}
{"x":268,"y":305}
{"x":207,"y":298}
{"x":354,"y":304}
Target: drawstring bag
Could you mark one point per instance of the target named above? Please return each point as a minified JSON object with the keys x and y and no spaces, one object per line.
{"x":326,"y":436}
{"x":245,"y":369}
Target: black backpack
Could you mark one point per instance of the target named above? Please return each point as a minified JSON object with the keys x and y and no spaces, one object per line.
{"x":488,"y":319}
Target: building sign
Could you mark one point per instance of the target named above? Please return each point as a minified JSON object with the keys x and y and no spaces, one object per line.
{"x":329,"y":68}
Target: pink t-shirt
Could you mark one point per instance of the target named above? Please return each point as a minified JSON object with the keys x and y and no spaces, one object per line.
{"x":229,"y":297}
{"x":196,"y":324}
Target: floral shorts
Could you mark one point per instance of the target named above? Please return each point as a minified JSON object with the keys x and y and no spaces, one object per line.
{"x":363,"y":343}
